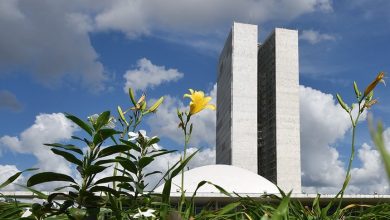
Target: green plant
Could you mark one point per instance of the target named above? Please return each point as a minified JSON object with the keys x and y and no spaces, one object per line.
{"x":364,"y":101}
{"x":124,"y":194}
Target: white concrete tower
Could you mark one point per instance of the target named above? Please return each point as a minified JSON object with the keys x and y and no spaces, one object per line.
{"x":278,"y":109}
{"x":258,"y":105}
{"x":237,"y":99}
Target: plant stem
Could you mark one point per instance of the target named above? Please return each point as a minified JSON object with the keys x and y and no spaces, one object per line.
{"x":351,"y":157}
{"x":115,"y":172}
{"x":187,"y":137}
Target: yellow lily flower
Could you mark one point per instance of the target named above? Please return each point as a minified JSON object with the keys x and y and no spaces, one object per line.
{"x":199,"y":101}
{"x":378,"y":79}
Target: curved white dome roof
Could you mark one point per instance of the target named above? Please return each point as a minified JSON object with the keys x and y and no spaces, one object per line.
{"x":232,"y":179}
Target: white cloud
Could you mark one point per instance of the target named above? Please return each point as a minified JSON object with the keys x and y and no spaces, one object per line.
{"x":198,"y":16}
{"x":53,"y":46}
{"x":165,"y":122}
{"x":9,"y":101}
{"x":47,"y":128}
{"x":314,"y":37}
{"x":149,"y":75}
{"x":322,"y":123}
{"x":371,"y":176}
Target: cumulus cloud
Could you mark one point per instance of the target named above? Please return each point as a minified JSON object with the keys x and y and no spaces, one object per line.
{"x":47,"y":128}
{"x":53,"y":46}
{"x":371,"y":176}
{"x":142,"y":17}
{"x":149,"y":75}
{"x":9,"y":101}
{"x":323,"y":122}
{"x":314,"y":37}
{"x":165,"y":122}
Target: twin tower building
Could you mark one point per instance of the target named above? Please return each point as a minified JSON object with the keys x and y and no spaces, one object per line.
{"x":258,"y":105}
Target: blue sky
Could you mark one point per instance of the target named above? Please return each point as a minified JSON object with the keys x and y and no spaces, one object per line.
{"x":76,"y":57}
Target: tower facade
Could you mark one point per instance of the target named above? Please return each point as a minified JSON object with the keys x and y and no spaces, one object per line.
{"x":236,"y":99}
{"x":258,"y":105}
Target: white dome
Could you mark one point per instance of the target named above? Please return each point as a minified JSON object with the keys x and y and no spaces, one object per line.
{"x":232,"y":179}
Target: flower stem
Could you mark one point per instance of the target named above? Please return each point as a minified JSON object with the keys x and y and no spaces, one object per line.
{"x":187,"y":137}
{"x":352,"y":156}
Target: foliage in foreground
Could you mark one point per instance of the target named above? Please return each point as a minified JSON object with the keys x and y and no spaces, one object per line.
{"x":126,"y":194}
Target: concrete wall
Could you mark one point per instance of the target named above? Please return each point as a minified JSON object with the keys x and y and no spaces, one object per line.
{"x":237,"y":99}
{"x":244,"y":96}
{"x":287,"y":110}
{"x":224,"y":104}
{"x":278,"y":105}
{"x":258,"y":105}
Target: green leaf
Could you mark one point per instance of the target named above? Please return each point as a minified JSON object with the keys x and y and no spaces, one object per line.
{"x":76,"y":187}
{"x":282,"y":209}
{"x":48,"y":177}
{"x":324,"y":211}
{"x":156,"y":105}
{"x":162,"y":152}
{"x":129,"y":143}
{"x":221,"y":190}
{"x":114,"y":207}
{"x":182,"y":165}
{"x":102,"y":120}
{"x":166,"y":191}
{"x":144,"y":161}
{"x":82,"y":139}
{"x":14,"y":177}
{"x":94,"y":169}
{"x":132,"y":98}
{"x":113,"y":150}
{"x":130,"y":156}
{"x":114,"y":179}
{"x":153,"y":140}
{"x":127,"y":164}
{"x":13,"y":212}
{"x":103,"y":134}
{"x":151,"y":173}
{"x":69,"y":147}
{"x":40,"y":194}
{"x":357,"y":92}
{"x":126,"y":186}
{"x":101,"y":162}
{"x":228,"y":208}
{"x":68,"y":156}
{"x":122,"y":116}
{"x":379,"y":141}
{"x":342,"y":103}
{"x":80,"y":123}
